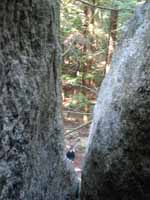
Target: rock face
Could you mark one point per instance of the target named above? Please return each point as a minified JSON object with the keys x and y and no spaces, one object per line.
{"x":32,"y":164}
{"x":117,"y":163}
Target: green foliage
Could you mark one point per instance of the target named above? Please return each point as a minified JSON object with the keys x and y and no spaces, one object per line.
{"x":79,"y":101}
{"x":70,"y":18}
{"x":86,"y":46}
{"x":125,"y":14}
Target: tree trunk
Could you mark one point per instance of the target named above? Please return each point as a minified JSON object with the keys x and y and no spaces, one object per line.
{"x":112,"y":37}
{"x":32,"y":164}
{"x":88,"y":33}
{"x":117,"y":162}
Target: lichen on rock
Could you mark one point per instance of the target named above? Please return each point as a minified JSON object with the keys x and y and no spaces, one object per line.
{"x":117,"y":163}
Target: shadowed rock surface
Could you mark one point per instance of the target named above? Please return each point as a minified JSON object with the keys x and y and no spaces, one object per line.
{"x":32,"y":164}
{"x":117,"y":163}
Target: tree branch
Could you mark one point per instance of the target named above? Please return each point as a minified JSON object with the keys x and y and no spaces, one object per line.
{"x":79,"y":127}
{"x":75,"y":112}
{"x":83,"y":86}
{"x":63,"y":54}
{"x":102,"y":7}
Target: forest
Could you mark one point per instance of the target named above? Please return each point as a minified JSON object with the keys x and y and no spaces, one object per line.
{"x":89,"y":33}
{"x":75,"y":100}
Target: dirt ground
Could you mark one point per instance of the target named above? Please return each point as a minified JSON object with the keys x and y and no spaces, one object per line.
{"x":77,"y":139}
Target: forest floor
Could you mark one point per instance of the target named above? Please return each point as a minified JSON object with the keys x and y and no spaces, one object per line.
{"x":77,"y":139}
